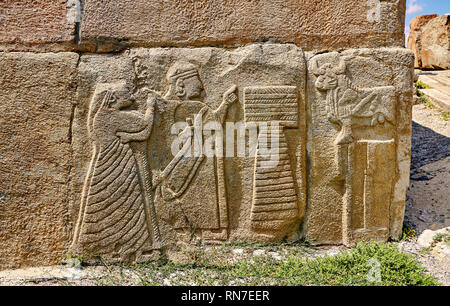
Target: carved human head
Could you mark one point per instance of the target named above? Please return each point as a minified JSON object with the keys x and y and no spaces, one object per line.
{"x":120,"y":96}
{"x":184,"y":81}
{"x":327,"y":75}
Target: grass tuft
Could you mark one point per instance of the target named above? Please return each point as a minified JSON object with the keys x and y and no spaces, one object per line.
{"x":421,"y":85}
{"x":408,"y":233}
{"x":367,"y":264}
{"x":441,"y":237}
{"x":427,"y":102}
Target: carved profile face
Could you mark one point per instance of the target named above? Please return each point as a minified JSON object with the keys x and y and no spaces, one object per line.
{"x":185,"y":82}
{"x":120,"y":99}
{"x":327,"y":78}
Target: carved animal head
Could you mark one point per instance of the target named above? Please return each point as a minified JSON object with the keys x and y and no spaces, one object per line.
{"x":327,"y":74}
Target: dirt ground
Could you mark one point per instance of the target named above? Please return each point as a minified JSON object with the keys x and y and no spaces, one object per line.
{"x":428,"y":200}
{"x":428,"y":196}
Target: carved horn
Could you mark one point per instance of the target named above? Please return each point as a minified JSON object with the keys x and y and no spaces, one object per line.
{"x":341,"y":68}
{"x":315,"y":67}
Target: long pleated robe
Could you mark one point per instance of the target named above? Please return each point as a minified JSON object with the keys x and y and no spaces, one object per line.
{"x":114,"y":221}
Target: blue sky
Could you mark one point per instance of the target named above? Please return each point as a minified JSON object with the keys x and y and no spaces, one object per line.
{"x":416,"y":8}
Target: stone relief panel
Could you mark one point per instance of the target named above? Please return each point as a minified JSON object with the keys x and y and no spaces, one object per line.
{"x":172,"y":145}
{"x":355,"y":99}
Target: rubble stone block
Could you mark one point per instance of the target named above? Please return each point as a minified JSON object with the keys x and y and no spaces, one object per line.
{"x":429,"y":39}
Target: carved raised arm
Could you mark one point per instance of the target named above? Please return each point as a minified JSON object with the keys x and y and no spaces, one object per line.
{"x":143,"y":135}
{"x":229,"y":98}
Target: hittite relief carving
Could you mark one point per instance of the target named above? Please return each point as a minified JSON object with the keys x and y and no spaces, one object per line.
{"x":117,"y":214}
{"x":274,"y":195}
{"x":364,"y":164}
{"x":152,"y":179}
{"x":184,"y":101}
{"x":346,"y":102}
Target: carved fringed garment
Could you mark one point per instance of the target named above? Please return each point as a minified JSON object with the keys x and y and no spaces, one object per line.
{"x":114,"y":220}
{"x":183,"y":191}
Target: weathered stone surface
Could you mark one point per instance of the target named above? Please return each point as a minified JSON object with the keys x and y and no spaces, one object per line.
{"x":418,"y":22}
{"x":36,"y":93}
{"x":311,"y":24}
{"x":436,"y":43}
{"x":133,"y":196}
{"x":427,"y":238}
{"x":359,"y":102}
{"x":438,"y":98}
{"x":413,"y":41}
{"x":96,"y":160}
{"x":429,"y":39}
{"x":42,"y":25}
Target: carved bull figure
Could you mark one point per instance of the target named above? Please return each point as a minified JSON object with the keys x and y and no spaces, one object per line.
{"x":345,"y":102}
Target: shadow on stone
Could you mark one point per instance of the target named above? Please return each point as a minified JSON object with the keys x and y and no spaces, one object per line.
{"x":427,"y":147}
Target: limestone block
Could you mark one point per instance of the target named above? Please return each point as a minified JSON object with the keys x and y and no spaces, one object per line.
{"x":311,"y":24}
{"x":436,"y":43}
{"x":174,"y":142}
{"x":36,"y":94}
{"x":418,"y":22}
{"x":414,"y":36}
{"x":359,"y":105}
{"x":30,"y":25}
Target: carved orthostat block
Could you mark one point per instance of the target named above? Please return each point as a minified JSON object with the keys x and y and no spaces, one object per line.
{"x":37,"y":92}
{"x":359,"y":102}
{"x":169,"y":143}
{"x":310,"y":24}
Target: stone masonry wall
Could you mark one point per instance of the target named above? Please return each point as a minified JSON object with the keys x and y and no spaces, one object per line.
{"x":100,"y":98}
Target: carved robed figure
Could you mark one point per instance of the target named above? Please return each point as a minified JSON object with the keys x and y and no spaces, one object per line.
{"x":116,"y":216}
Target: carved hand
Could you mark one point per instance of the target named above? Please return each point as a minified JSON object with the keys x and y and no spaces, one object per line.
{"x":151,"y":102}
{"x":230,"y":96}
{"x":155,"y":100}
{"x":187,"y":133}
{"x":124,"y":137}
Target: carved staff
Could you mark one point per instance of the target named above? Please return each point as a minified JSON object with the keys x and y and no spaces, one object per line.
{"x":138,"y":145}
{"x":140,"y":153}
